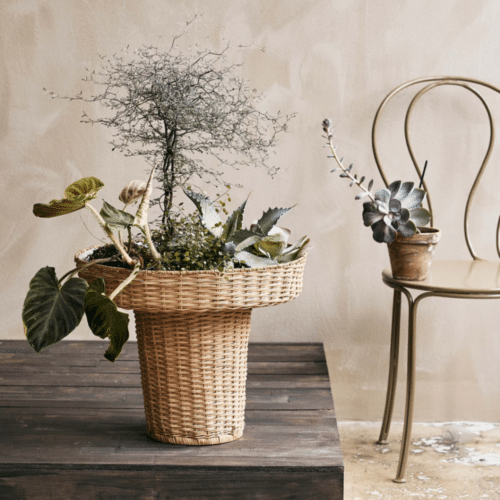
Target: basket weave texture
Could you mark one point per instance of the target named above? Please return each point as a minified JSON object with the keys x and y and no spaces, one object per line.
{"x":193,"y":372}
{"x":192,"y":334}
{"x":200,"y":290}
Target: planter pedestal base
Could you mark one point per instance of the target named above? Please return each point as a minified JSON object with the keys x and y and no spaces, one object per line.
{"x":193,"y":373}
{"x":192,"y":334}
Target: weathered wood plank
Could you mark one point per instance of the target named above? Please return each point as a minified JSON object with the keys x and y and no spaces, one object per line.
{"x":42,"y":484}
{"x":131,"y":397}
{"x":77,"y":365}
{"x":79,"y":437}
{"x":122,"y":415}
{"x":53,"y":378}
{"x":92,"y":349}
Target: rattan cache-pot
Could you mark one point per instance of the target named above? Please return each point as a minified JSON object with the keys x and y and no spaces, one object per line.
{"x":192,"y":333}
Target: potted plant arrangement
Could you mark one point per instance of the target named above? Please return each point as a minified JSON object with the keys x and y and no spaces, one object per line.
{"x":396,"y":217}
{"x":192,"y":280}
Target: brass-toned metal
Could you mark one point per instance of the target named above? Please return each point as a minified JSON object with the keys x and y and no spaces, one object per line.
{"x":483,"y":164}
{"x":474,"y":279}
{"x":393,"y":367}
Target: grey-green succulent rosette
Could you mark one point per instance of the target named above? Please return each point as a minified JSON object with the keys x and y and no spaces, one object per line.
{"x":396,"y":209}
{"x":392,"y":210}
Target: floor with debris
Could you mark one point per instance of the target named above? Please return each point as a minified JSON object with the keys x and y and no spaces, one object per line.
{"x":447,"y":461}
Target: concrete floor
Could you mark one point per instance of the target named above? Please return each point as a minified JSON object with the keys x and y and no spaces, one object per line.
{"x":447,"y":461}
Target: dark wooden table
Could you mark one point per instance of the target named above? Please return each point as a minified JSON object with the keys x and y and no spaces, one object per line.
{"x":72,"y":427}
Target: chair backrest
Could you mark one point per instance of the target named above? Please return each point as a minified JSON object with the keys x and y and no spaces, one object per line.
{"x":431,"y":83}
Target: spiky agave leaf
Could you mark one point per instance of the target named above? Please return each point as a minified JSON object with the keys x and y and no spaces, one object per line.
{"x":208,"y":215}
{"x":269,"y":219}
{"x":234,"y":222}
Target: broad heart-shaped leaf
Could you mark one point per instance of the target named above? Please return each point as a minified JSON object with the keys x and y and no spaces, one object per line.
{"x":51,"y":312}
{"x":115,"y":218}
{"x":233,"y":223}
{"x":75,"y":197}
{"x":105,"y":320}
{"x":270,"y":218}
{"x":87,"y":186}
{"x":208,"y":215}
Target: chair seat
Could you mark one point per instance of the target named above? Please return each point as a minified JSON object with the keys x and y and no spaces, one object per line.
{"x":467,"y":277}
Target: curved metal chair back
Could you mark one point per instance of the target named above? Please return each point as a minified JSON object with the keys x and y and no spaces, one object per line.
{"x":434,"y":82}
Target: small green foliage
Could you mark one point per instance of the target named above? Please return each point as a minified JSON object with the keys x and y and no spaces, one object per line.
{"x":191,"y":248}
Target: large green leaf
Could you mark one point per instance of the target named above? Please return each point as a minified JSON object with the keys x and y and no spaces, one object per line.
{"x":88,"y":186}
{"x":115,"y":218}
{"x":59,"y":207}
{"x":208,"y":215}
{"x":234,"y":222}
{"x":75,"y":197}
{"x":105,"y":320}
{"x":270,"y":218}
{"x":51,"y":312}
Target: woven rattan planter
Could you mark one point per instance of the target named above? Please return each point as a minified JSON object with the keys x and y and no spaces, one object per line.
{"x":192,"y":333}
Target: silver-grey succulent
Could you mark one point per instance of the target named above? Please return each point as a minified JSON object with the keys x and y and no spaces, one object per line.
{"x":392,"y":210}
{"x":396,"y":209}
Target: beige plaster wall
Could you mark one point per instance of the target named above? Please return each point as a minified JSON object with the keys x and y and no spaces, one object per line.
{"x":322,"y":58}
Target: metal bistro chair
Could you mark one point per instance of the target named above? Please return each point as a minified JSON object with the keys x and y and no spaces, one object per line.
{"x":468,"y":279}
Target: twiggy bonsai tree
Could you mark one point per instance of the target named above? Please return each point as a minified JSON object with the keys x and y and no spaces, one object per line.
{"x":187,"y":113}
{"x":173,"y":110}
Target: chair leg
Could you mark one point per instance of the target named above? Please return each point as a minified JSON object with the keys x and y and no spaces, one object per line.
{"x":393,"y":368}
{"x":410,"y":390}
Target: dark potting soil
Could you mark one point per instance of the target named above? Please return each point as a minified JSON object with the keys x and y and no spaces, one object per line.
{"x":107,"y":251}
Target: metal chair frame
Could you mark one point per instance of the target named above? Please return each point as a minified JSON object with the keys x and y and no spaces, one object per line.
{"x":402,"y":287}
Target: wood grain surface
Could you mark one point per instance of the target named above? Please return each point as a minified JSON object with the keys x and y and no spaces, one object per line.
{"x":72,"y":426}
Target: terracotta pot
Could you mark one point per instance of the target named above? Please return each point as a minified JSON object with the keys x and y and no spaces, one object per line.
{"x":411,"y":256}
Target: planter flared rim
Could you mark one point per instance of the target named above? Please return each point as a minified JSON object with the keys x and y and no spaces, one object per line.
{"x":427,"y":235}
{"x":168,"y":291}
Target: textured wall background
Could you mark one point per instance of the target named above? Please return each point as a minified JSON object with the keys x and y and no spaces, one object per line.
{"x":322,"y":58}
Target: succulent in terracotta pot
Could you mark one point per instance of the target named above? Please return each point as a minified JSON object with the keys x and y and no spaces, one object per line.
{"x":396,"y":216}
{"x":392,"y":210}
